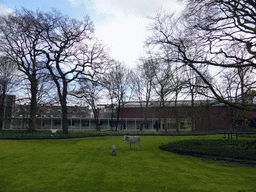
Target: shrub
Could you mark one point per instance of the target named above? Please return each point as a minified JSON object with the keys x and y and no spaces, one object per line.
{"x":234,"y":149}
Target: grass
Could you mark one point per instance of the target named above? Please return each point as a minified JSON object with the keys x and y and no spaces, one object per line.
{"x":79,"y":165}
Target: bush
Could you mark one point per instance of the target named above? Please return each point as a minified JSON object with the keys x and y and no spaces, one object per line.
{"x":13,"y":134}
{"x":234,"y":149}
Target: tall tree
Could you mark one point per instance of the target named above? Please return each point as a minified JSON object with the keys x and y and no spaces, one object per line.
{"x":20,"y":39}
{"x":91,"y":82}
{"x":218,"y":28}
{"x":200,"y":43}
{"x":212,"y":28}
{"x":67,"y":53}
{"x":239,"y":81}
{"x":118,"y":81}
{"x":143,"y":85}
{"x":108,"y":82}
{"x":163,"y":86}
{"x":90,"y":92}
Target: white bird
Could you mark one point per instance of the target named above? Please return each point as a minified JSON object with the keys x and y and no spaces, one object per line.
{"x":54,"y":130}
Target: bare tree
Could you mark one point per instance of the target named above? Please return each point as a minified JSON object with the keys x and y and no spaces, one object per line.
{"x":212,"y":29}
{"x":90,"y":92}
{"x":162,"y":85}
{"x":20,"y":39}
{"x":118,"y":81}
{"x":7,"y":83}
{"x":143,"y":84}
{"x":245,"y":77}
{"x":219,"y":28}
{"x":169,"y":34}
{"x":108,"y":82}
{"x":178,"y":81}
{"x":90,"y":83}
{"x":67,"y":53}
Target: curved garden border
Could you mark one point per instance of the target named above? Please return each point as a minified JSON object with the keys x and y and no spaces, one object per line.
{"x":229,"y":150}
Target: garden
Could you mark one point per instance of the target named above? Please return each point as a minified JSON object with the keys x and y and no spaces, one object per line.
{"x":233,"y":150}
{"x":86,"y":164}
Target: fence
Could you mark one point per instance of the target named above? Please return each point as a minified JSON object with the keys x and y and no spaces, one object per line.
{"x":230,"y":134}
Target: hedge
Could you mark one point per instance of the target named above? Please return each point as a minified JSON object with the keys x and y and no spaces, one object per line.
{"x":233,"y":149}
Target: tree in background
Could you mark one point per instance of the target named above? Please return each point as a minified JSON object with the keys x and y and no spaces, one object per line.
{"x":109,"y":85}
{"x":90,"y":82}
{"x":238,"y":82}
{"x":163,"y":86}
{"x":142,"y":83}
{"x":117,"y":80}
{"x":89,"y":91}
{"x":7,"y":82}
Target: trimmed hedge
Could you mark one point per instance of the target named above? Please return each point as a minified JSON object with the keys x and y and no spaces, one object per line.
{"x":20,"y":135}
{"x":13,"y":134}
{"x":24,"y":135}
{"x":227,"y":149}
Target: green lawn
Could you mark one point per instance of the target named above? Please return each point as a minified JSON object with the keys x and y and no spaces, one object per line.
{"x":79,"y":165}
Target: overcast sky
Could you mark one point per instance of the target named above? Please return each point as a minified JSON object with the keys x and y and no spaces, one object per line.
{"x":120,"y":24}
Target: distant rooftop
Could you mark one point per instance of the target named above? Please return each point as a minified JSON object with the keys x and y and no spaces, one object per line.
{"x":182,"y":103}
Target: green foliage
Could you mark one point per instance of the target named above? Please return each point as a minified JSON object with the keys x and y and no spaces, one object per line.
{"x":6,"y":134}
{"x":14,"y":134}
{"x":234,"y":149}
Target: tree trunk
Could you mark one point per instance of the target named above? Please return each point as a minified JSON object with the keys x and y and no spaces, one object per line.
{"x":33,"y":104}
{"x":112,"y":114}
{"x":176,"y":113}
{"x":165,"y":120}
{"x":118,"y":112}
{"x":122,"y":118}
{"x":192,"y":111}
{"x":2,"y":106}
{"x":158,"y":123}
{"x":96,"y":118}
{"x":63,"y":102}
{"x":209,"y":126}
{"x":64,"y":119}
{"x":145,"y":116}
{"x":33,"y":111}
